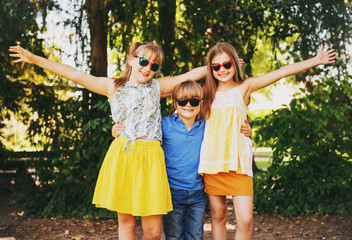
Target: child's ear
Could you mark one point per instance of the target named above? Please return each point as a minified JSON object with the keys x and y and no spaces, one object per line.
{"x":130,"y":58}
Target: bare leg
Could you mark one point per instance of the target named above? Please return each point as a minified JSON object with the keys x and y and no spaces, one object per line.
{"x":218,"y":208}
{"x":151,"y":227}
{"x":244,"y":215}
{"x":127,"y":224}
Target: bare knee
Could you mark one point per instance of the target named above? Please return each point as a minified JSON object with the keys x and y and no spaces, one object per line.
{"x":218,"y":207}
{"x":127,"y":224}
{"x":219,"y":213}
{"x":151,"y":227}
{"x":245,"y":222}
{"x":151,"y":233}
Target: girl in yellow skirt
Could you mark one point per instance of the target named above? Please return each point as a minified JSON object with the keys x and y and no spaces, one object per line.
{"x":226,"y":155}
{"x":132,"y":180}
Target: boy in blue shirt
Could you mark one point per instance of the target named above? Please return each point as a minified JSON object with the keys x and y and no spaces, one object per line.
{"x":182,"y":137}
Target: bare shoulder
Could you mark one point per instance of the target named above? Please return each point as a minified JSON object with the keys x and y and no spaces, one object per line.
{"x":166,"y":84}
{"x":243,"y":85}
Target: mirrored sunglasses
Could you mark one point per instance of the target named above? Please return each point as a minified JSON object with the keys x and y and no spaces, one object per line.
{"x":144,"y":62}
{"x":216,"y":66}
{"x":183,"y":102}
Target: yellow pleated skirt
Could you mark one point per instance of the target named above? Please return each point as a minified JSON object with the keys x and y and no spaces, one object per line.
{"x":134,"y":182}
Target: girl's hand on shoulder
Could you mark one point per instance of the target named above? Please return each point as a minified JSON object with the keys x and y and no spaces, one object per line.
{"x":246,"y":129}
{"x":325,"y":57}
{"x":117,"y":129}
{"x":22,"y":54}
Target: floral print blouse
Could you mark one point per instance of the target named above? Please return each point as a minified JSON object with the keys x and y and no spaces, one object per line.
{"x":137,"y":108}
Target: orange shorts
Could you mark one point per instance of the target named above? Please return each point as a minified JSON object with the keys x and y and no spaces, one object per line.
{"x":228,"y":183}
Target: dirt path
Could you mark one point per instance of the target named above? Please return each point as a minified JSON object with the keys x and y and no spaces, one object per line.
{"x":266,"y":226}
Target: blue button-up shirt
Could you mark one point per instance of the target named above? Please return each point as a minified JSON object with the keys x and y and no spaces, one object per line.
{"x":182,"y":149}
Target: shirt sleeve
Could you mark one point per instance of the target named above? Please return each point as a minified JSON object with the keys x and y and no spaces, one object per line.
{"x":163,"y":125}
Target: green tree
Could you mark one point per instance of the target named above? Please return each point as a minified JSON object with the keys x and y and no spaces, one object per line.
{"x":314,"y":23}
{"x":75,"y":131}
{"x":16,"y":17}
{"x":311,"y":168}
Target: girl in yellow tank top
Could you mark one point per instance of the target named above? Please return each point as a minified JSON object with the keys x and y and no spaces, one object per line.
{"x":226,"y":156}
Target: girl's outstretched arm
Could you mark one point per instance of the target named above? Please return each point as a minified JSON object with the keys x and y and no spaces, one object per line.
{"x":255,"y":83}
{"x":167,"y":84}
{"x":100,"y":85}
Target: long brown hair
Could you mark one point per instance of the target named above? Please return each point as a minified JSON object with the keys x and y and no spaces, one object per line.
{"x":187,"y":89}
{"x":211,"y":83}
{"x":136,"y":49}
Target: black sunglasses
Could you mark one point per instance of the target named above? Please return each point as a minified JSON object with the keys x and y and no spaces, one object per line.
{"x":144,"y":62}
{"x":183,"y":102}
{"x":216,"y":66}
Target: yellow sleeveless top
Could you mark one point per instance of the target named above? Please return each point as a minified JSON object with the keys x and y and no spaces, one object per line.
{"x":224,"y":148}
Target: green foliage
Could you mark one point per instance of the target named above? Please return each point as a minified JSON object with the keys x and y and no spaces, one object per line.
{"x":312,"y":153}
{"x":318,"y":185}
{"x":200,"y":26}
{"x":314,"y":23}
{"x":75,"y":151}
{"x":75,"y":131}
{"x":16,"y":17}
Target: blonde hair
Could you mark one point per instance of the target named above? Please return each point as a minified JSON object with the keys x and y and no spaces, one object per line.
{"x":136,"y":49}
{"x":187,"y":89}
{"x":211,"y":83}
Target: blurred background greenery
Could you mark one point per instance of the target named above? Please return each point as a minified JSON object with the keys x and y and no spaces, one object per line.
{"x":54,"y":134}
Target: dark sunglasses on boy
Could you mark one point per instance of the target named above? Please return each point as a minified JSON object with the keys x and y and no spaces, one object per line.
{"x":216,"y":66}
{"x":183,"y":102}
{"x":144,"y":62}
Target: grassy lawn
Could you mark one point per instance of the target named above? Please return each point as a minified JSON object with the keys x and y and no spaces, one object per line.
{"x":262,"y":156}
{"x":263,"y":164}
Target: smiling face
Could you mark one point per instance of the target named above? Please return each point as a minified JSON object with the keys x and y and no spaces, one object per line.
{"x":223,"y":75}
{"x":187,"y":93}
{"x":142,"y":74}
{"x":187,"y":112}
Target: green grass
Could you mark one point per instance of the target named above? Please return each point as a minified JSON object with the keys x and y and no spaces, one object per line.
{"x":262,"y":156}
{"x":263,"y":164}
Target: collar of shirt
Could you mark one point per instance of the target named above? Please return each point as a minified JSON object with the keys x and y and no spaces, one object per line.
{"x":178,"y":120}
{"x":135,"y":85}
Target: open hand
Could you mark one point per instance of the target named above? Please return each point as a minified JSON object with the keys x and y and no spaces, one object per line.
{"x":325,"y":57}
{"x":22,"y":54}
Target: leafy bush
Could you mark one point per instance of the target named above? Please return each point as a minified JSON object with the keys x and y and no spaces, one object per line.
{"x":305,"y":187}
{"x":311,"y":139}
{"x":75,"y":140}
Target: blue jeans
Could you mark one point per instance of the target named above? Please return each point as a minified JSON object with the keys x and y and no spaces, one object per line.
{"x":186,"y":221}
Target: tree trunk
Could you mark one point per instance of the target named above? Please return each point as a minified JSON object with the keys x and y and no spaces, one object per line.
{"x":167,"y":15}
{"x":97,"y":17}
